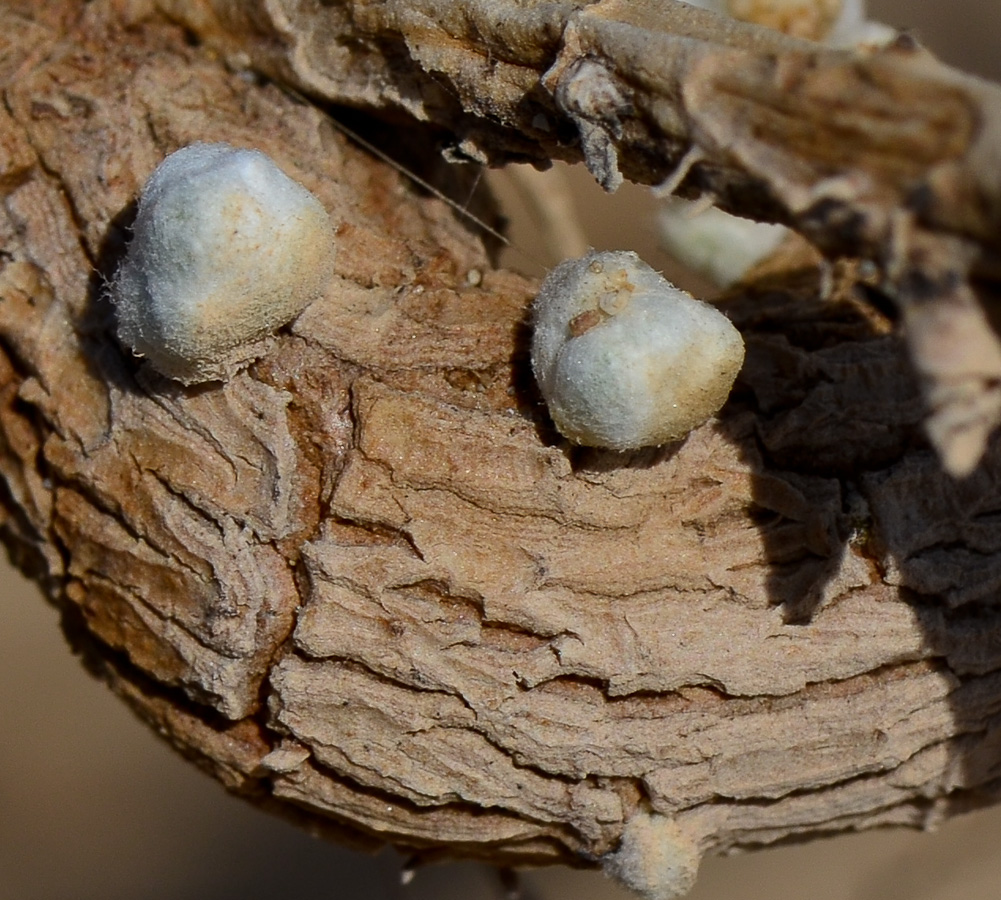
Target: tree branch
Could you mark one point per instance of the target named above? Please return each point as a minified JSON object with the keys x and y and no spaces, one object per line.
{"x":365,"y":584}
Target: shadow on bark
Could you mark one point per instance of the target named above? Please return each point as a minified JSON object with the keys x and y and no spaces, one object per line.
{"x":837,"y":415}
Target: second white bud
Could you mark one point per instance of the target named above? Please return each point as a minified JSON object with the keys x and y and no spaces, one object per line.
{"x":623,"y":358}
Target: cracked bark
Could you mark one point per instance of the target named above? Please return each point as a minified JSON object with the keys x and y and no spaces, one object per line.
{"x":365,"y":585}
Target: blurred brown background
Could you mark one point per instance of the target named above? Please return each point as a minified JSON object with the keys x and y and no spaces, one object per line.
{"x":118,"y":815}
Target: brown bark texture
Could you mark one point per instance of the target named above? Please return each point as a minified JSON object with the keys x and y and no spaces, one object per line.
{"x":367,"y":586}
{"x":887,"y":156}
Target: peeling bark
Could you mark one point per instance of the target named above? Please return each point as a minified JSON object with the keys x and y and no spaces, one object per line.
{"x":365,"y":584}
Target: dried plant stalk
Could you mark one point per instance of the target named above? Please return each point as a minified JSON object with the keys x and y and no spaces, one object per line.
{"x":365,"y":585}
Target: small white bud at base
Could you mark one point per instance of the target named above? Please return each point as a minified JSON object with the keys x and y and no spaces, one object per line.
{"x":623,"y":358}
{"x":655,"y":858}
{"x":226,"y":248}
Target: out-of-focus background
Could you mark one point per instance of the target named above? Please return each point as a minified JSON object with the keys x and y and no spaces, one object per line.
{"x":118,"y":816}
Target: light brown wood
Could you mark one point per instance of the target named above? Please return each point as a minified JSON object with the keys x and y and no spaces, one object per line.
{"x":366,"y":585}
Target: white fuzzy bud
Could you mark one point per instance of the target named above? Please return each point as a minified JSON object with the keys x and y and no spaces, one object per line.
{"x":655,"y":858}
{"x":713,"y":243}
{"x":226,"y":249}
{"x":623,"y":358}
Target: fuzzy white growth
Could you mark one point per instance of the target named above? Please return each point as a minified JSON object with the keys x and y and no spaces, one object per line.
{"x":655,"y":858}
{"x":714,"y":243}
{"x":226,"y":249}
{"x":623,"y":358}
